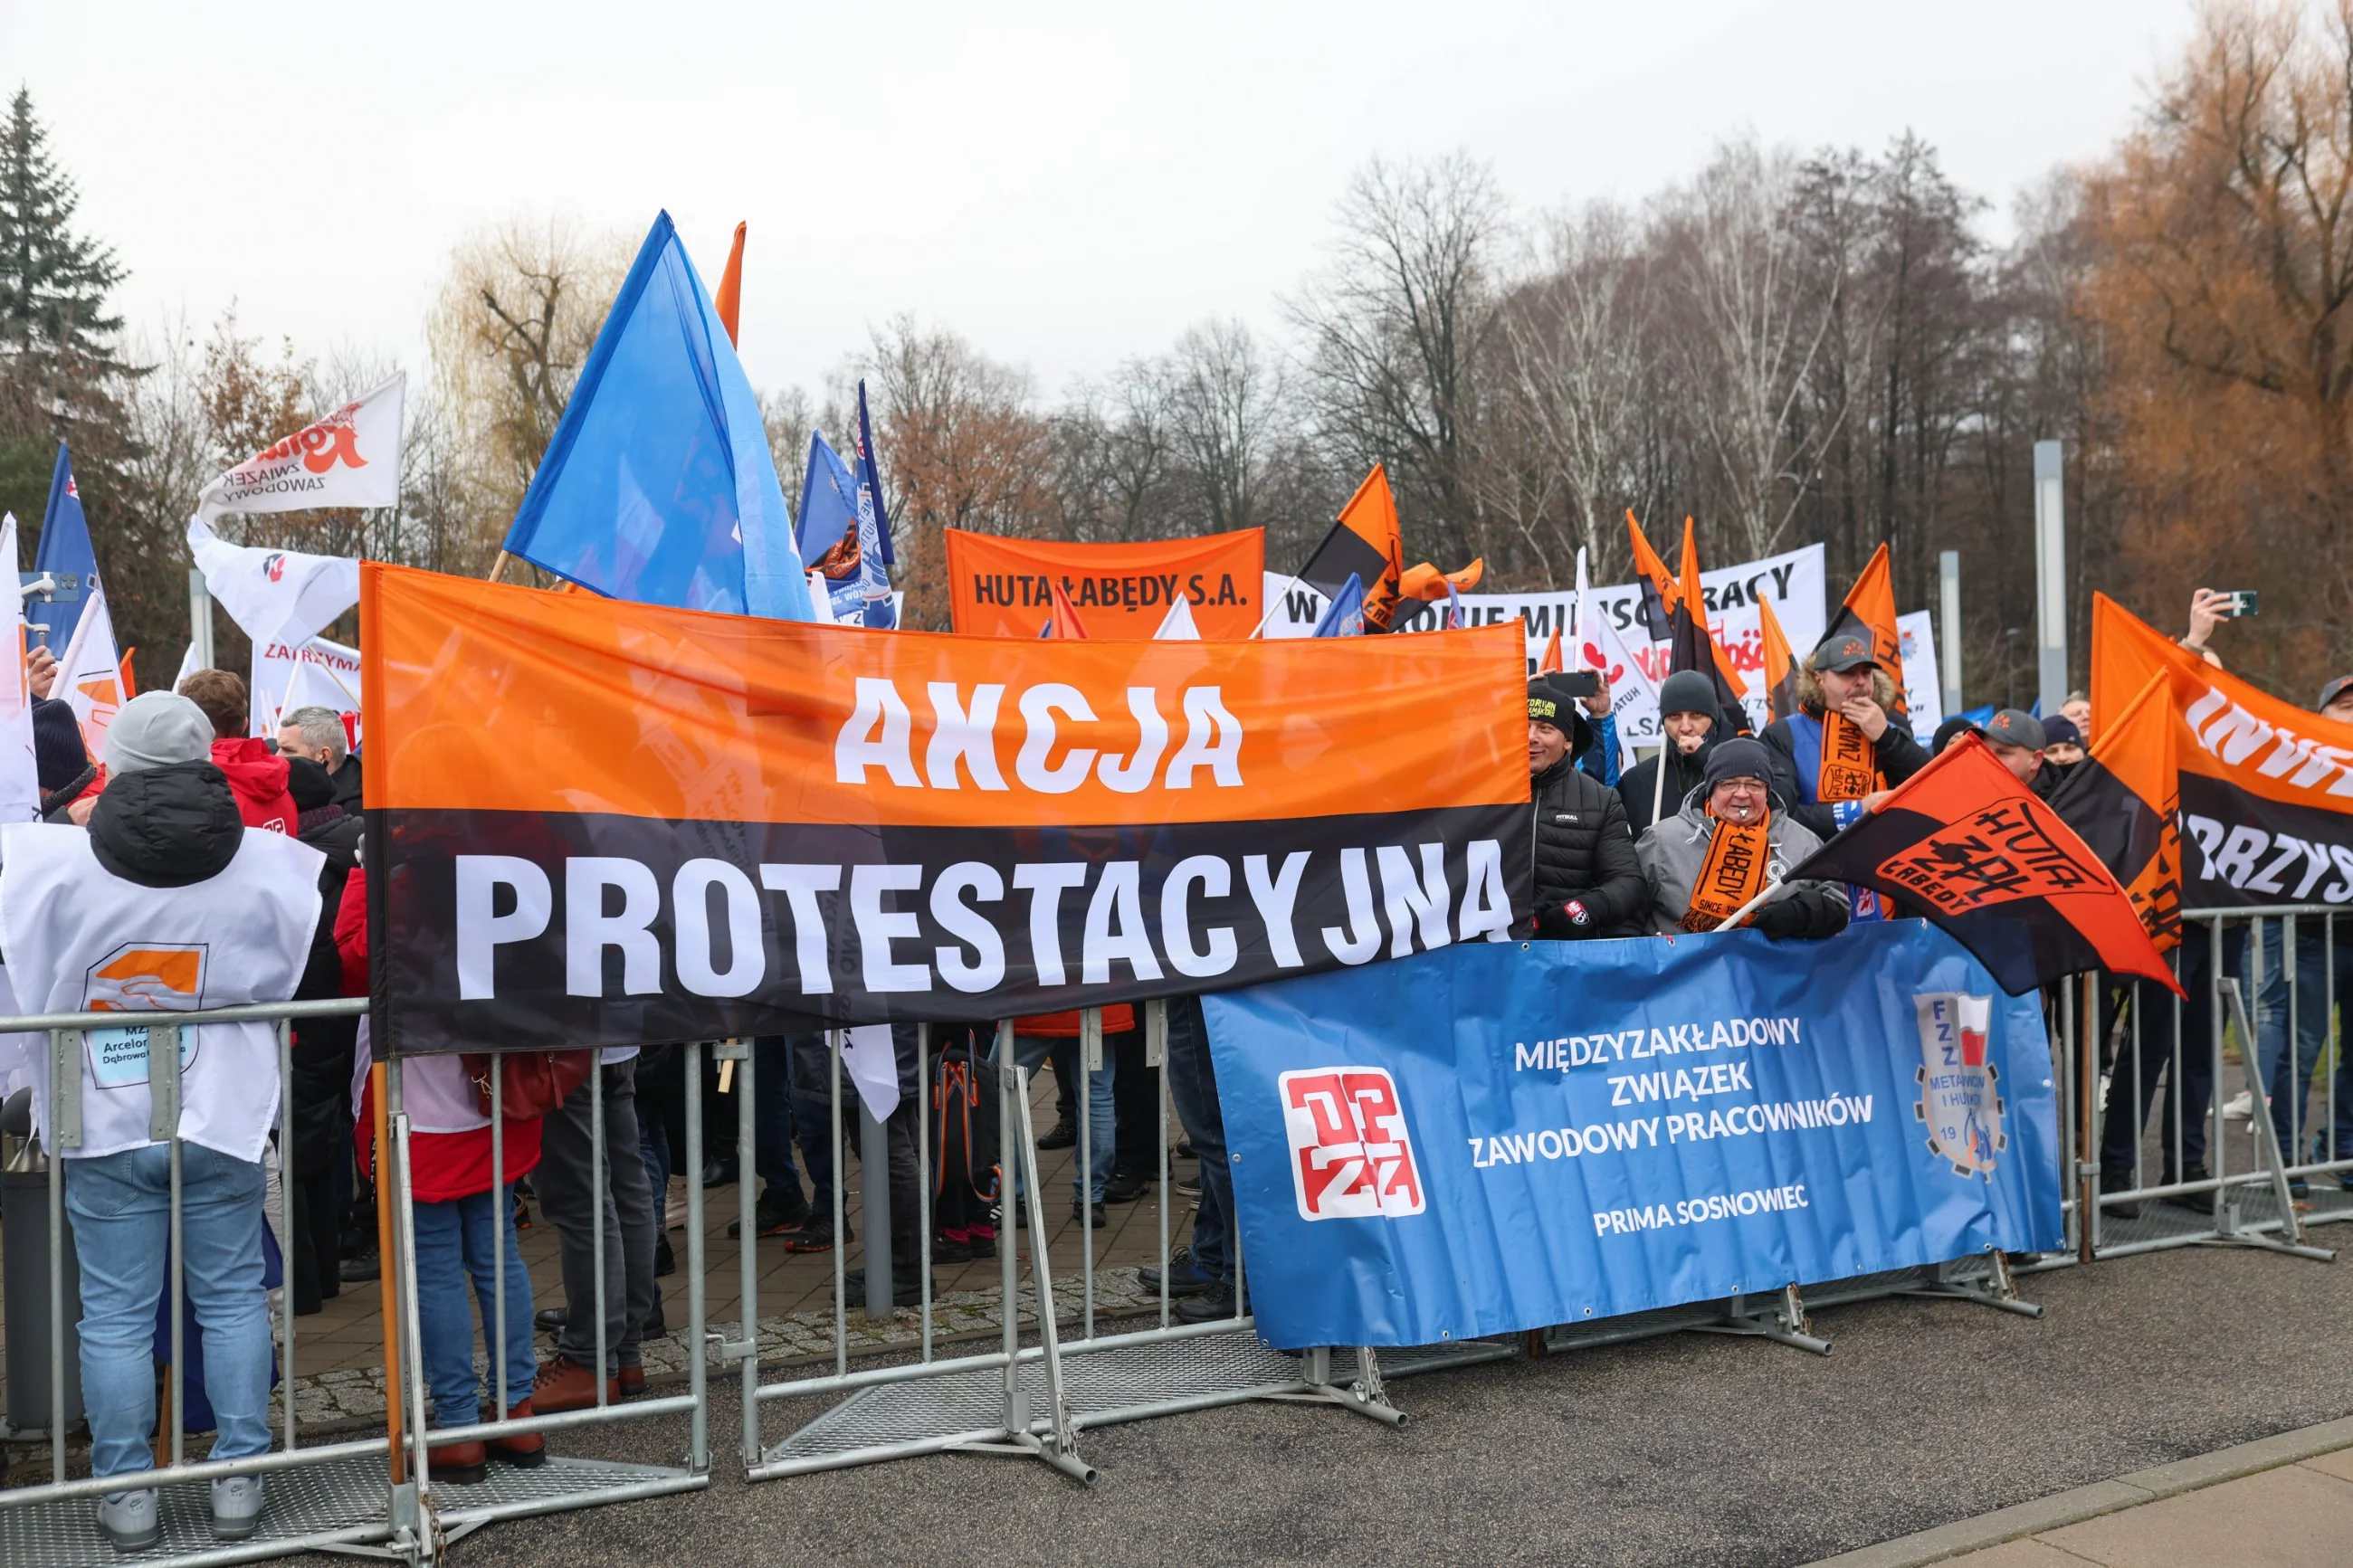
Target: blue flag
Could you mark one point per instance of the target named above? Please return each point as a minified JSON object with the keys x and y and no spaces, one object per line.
{"x":1344,"y":616}
{"x":873,"y":528}
{"x":829,"y":503}
{"x":64,"y":548}
{"x":658,"y":485}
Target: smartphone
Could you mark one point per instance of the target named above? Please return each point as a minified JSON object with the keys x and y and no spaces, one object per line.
{"x":2242,"y":603}
{"x":1579,"y":683}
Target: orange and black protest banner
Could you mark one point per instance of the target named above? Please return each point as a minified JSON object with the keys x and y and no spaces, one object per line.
{"x":2123,"y":800}
{"x":2267,"y":787}
{"x":1965,"y":844}
{"x":603,"y":822}
{"x":1364,"y":543}
{"x":1003,"y":587}
{"x":1780,"y":672}
{"x":1694,"y":646}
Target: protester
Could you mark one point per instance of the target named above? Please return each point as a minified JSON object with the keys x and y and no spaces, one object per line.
{"x":2062,"y":747}
{"x":2077,"y":711}
{"x":1687,"y":716}
{"x":575,"y":1203}
{"x":782,"y":1207}
{"x":2209,"y":608}
{"x":1843,"y":691}
{"x":1034,"y":1038}
{"x":810,"y":1062}
{"x":322,"y":1050}
{"x":1727,"y":848}
{"x":1588,"y":882}
{"x":1201,"y":1275}
{"x":258,"y":777}
{"x":2017,"y":739}
{"x":165,"y":896}
{"x":1602,"y":759}
{"x":317,"y":733}
{"x":1139,"y":1112}
{"x":1950,"y":731}
{"x":460,"y":1227}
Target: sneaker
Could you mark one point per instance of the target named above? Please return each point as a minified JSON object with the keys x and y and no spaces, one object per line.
{"x":1185,"y":1150}
{"x":129,"y":1519}
{"x":237,"y":1506}
{"x":905,"y":1290}
{"x":360,"y":1269}
{"x":460,"y":1464}
{"x":951,"y":1249}
{"x":524,"y":1450}
{"x":1063,"y":1134}
{"x":564,"y":1384}
{"x":1215,"y":1301}
{"x":1126,"y":1186}
{"x":665,"y":1260}
{"x":1187,"y":1186}
{"x":817,"y":1236}
{"x":1184,"y":1279}
{"x":1089,"y":1215}
{"x":2241,"y":1106}
{"x":775,"y":1214}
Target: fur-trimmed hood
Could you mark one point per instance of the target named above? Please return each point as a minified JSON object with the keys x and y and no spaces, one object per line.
{"x":1810,"y":690}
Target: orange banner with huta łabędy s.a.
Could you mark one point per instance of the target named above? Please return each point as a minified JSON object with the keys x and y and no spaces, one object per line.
{"x":1003,"y":587}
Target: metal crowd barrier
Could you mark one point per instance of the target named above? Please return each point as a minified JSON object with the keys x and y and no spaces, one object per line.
{"x":2125,"y":1046}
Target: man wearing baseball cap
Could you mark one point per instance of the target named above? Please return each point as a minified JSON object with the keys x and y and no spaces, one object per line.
{"x":1840,"y":744}
{"x":1588,"y":882}
{"x":2017,"y":739}
{"x":1725,"y":855}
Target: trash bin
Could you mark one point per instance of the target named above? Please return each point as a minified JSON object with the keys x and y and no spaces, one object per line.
{"x":25,"y":1258}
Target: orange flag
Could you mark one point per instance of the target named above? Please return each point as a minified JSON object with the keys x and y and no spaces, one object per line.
{"x":1552,"y":663}
{"x":1364,"y":543}
{"x":130,"y":687}
{"x":2124,"y":800}
{"x":1780,"y":663}
{"x":1870,"y":610}
{"x":1427,"y":583}
{"x":1658,"y":582}
{"x":1696,"y":646}
{"x":1063,"y":621}
{"x":729,"y":299}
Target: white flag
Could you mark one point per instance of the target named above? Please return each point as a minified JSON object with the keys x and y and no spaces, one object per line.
{"x":20,"y":781}
{"x":326,"y":675}
{"x":90,"y":674}
{"x":1177,"y":625}
{"x":352,"y":458}
{"x":872,"y":1063}
{"x":1599,"y":646}
{"x":277,"y":595}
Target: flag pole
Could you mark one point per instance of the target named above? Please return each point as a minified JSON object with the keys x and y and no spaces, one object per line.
{"x":1745,"y":910}
{"x":498,"y":567}
{"x":1658,"y":785}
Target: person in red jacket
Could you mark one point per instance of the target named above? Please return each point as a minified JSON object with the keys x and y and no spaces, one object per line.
{"x":458,"y":1220}
{"x":257,"y":775}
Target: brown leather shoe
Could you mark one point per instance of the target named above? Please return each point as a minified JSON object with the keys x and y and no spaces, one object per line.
{"x":460,"y":1464}
{"x":565,"y":1384}
{"x":632,"y":1380}
{"x":524,"y":1450}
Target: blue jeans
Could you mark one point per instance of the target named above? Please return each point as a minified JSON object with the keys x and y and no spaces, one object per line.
{"x":1193,"y":1085}
{"x":454,"y":1241}
{"x":1030,"y":1053}
{"x":121,"y":1206}
{"x":2288,"y":1074}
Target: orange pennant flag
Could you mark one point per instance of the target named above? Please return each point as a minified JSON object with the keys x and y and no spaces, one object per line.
{"x":1780,"y":663}
{"x":1427,"y":583}
{"x":728,"y":300}
{"x":1658,"y":582}
{"x":1870,"y":610}
{"x":2124,"y":800}
{"x":1552,"y":663}
{"x":1695,"y":646}
{"x":1063,"y":620}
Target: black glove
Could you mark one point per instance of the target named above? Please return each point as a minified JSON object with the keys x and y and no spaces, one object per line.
{"x":1780,"y":919}
{"x":1566,"y":923}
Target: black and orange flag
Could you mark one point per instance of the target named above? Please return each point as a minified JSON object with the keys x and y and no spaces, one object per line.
{"x":1658,"y":582}
{"x":1870,"y":611}
{"x":728,"y":301}
{"x":1780,"y":675}
{"x":2123,"y":802}
{"x":1364,"y":543}
{"x":1695,"y":648}
{"x":1966,"y":843}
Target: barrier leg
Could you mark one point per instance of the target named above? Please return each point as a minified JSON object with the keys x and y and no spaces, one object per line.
{"x":2234,"y":1230}
{"x":1364,"y":1393}
{"x":1994,"y":1288}
{"x":1058,"y":1448}
{"x":1788,"y":1324}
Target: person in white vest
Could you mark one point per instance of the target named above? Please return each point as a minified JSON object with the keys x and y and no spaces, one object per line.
{"x":167,"y":902}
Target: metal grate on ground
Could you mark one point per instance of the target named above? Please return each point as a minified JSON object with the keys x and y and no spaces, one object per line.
{"x":338,"y":1502}
{"x":1121,"y":1383}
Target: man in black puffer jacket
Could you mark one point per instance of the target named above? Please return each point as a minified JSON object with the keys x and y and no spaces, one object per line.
{"x":1588,"y":882}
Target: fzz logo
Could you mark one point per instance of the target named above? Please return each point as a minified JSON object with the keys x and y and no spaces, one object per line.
{"x":1351,"y":1157}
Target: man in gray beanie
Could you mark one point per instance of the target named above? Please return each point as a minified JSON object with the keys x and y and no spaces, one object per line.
{"x":1727,"y":853}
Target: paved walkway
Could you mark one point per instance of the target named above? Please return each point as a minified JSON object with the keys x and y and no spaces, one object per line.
{"x":2281,"y":1502}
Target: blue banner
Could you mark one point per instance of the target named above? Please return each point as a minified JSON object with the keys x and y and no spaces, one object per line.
{"x":1495,"y":1137}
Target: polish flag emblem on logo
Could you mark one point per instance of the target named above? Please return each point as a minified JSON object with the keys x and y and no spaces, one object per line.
{"x":1351,"y":1157}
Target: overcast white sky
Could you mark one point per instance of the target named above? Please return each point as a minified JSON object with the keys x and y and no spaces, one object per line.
{"x":1065,"y":184}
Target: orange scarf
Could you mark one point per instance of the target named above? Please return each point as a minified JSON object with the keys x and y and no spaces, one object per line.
{"x":1733,"y":873}
{"x":1849,"y":767}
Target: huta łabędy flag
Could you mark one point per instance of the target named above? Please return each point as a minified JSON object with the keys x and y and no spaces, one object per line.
{"x":2124,"y":799}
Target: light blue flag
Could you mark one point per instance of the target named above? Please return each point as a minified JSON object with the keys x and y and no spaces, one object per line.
{"x":828,"y":501}
{"x":1344,"y":616}
{"x":658,"y":485}
{"x":64,"y":548}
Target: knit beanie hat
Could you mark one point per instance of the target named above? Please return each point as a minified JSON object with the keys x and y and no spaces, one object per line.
{"x":1739,"y":758}
{"x":1688,"y":691}
{"x":155,"y":729}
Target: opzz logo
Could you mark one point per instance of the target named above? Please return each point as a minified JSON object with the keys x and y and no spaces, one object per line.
{"x":1351,"y":1157}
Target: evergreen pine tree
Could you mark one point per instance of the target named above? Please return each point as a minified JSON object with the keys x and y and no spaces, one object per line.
{"x":53,"y":281}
